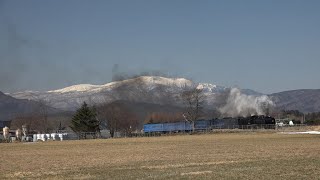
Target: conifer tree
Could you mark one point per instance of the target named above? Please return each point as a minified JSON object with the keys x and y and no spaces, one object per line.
{"x":85,"y":120}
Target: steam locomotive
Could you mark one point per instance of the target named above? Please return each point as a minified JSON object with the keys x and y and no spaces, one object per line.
{"x":252,"y":122}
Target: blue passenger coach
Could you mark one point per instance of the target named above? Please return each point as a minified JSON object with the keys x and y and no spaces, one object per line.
{"x":167,"y":127}
{"x":265,"y":122}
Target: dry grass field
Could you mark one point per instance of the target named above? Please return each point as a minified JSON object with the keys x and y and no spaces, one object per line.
{"x":213,"y":156}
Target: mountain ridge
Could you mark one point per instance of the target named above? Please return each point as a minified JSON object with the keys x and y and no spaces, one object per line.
{"x":144,"y":88}
{"x":304,"y":100}
{"x":160,"y":90}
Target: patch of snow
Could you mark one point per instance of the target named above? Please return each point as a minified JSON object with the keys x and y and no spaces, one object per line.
{"x":306,"y":132}
{"x":210,"y":88}
{"x":149,"y":80}
{"x":76,"y":88}
{"x":180,"y":82}
{"x":196,"y":173}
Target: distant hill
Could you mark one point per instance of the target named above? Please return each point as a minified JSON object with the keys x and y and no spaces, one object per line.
{"x":304,"y":100}
{"x":11,"y":107}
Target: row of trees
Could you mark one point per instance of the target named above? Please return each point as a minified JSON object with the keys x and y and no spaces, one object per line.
{"x":160,"y":117}
{"x":299,"y":117}
{"x":313,"y":118}
{"x":116,"y":117}
{"x":40,"y":118}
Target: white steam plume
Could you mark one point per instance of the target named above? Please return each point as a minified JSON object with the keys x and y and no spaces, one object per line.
{"x":238,"y":104}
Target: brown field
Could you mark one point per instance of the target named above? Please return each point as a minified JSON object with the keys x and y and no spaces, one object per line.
{"x":213,"y":156}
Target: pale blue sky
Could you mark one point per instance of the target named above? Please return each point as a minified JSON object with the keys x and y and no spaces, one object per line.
{"x":268,"y":46}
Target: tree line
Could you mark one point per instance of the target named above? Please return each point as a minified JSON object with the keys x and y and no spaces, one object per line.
{"x":113,"y":116}
{"x":297,"y":116}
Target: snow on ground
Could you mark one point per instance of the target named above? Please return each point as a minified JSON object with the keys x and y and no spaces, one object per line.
{"x":306,"y":132}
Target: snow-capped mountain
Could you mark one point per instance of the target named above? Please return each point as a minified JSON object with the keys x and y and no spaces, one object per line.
{"x":151,"y":89}
{"x":159,"y":90}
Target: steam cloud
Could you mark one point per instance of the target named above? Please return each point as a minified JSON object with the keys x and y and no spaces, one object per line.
{"x":238,"y":104}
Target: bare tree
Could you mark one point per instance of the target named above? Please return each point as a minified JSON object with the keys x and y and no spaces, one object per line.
{"x":193,"y":100}
{"x":30,"y":120}
{"x":43,"y":111}
{"x":163,"y":117}
{"x":117,"y":118}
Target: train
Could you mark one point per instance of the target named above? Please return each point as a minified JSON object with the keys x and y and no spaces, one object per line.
{"x":252,"y":122}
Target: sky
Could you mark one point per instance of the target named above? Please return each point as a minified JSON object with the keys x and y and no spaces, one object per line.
{"x":268,"y":46}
